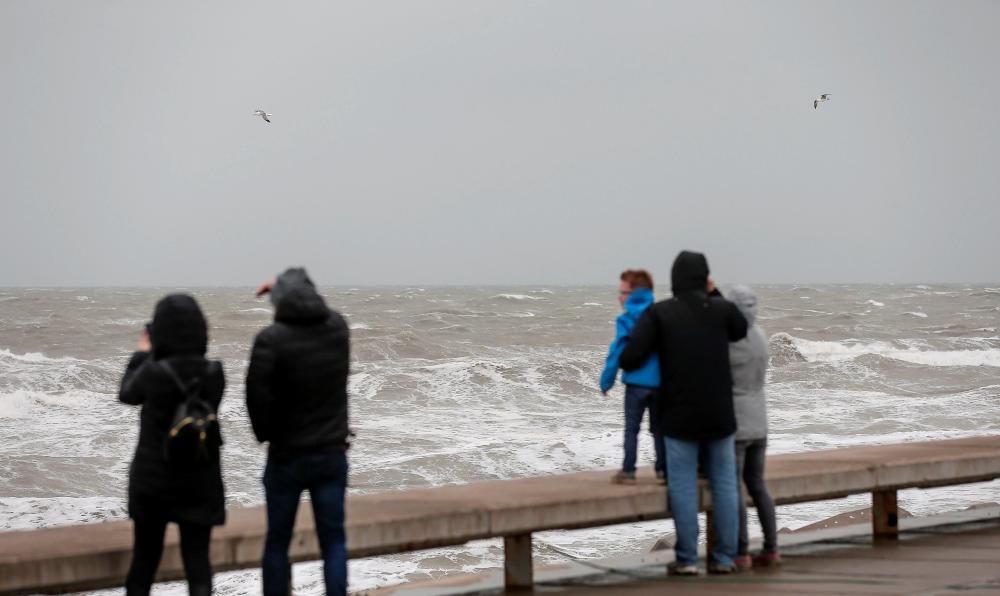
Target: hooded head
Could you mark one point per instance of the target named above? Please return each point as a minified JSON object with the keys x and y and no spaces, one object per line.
{"x":745,"y":299}
{"x":295,"y":298}
{"x":179,"y":328}
{"x":689,"y":273}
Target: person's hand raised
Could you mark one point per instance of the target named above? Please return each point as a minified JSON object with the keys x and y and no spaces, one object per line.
{"x":264,"y":288}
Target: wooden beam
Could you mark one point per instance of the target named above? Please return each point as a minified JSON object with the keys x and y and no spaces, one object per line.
{"x":885,"y":515}
{"x":518,"y":571}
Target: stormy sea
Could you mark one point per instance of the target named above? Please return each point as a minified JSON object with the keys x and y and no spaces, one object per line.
{"x":453,"y":385}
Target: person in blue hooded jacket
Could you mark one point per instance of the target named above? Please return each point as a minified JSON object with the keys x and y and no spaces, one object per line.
{"x":635,"y":294}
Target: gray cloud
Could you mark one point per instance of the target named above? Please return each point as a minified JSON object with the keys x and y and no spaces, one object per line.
{"x":471,"y":142}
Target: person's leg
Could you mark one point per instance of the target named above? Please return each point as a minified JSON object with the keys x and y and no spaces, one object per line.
{"x":721,"y":468}
{"x":682,"y":464}
{"x":195,"y":541}
{"x":742,"y":546}
{"x":327,"y":494}
{"x":633,"y":418}
{"x":753,"y":477}
{"x":148,"y":531}
{"x":661,"y":451}
{"x":282,"y":490}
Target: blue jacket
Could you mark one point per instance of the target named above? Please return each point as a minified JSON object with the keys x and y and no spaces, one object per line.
{"x":647,"y":375}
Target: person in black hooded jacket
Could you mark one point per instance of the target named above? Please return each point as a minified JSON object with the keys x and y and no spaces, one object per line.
{"x":690,"y":333}
{"x":297,"y":400}
{"x":189,"y":493}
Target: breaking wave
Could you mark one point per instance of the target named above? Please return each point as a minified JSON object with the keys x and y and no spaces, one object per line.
{"x":786,"y":348}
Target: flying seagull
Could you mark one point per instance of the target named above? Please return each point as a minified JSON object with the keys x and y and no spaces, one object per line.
{"x":820,"y":99}
{"x":263,"y":115}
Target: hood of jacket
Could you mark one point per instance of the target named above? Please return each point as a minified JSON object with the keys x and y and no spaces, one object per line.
{"x":295,"y":298}
{"x":638,"y":301}
{"x":179,"y":328}
{"x":689,"y":272}
{"x":745,"y":299}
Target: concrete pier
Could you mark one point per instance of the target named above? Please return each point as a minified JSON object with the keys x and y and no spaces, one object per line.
{"x":97,"y":555}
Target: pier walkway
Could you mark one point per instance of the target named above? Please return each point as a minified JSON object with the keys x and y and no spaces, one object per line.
{"x":97,"y":555}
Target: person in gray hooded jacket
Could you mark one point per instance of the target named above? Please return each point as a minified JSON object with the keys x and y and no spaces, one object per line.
{"x":748,"y":359}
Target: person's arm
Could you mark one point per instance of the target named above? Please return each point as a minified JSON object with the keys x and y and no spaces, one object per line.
{"x":641,"y":342}
{"x":131,"y":391}
{"x":610,"y":371}
{"x":736,"y":323}
{"x":260,"y":376}
{"x":215,"y":384}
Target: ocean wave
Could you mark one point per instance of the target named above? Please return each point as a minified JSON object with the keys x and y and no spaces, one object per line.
{"x":33,"y":357}
{"x":919,"y":314}
{"x":517,"y":297}
{"x":831,"y":351}
{"x":875,"y":303}
{"x":256,"y":310}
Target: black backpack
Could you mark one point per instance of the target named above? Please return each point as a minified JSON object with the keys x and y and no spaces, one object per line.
{"x":194,"y":435}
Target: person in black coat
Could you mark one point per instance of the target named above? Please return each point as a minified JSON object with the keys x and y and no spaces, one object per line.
{"x":690,"y":333}
{"x":296,"y":393}
{"x":188,"y":493}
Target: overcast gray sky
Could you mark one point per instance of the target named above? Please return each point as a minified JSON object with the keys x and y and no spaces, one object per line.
{"x":464,"y":142}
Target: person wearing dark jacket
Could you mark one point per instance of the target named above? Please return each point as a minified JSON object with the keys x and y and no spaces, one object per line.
{"x":190,"y":493}
{"x":296,"y":391}
{"x":690,"y":333}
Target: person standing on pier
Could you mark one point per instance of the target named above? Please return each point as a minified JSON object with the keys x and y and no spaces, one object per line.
{"x":297,"y":400}
{"x":690,"y":334}
{"x":748,"y":358}
{"x":635,"y":295}
{"x":176,"y":475}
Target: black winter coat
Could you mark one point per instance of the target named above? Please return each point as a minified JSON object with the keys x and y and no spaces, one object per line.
{"x":296,"y":384}
{"x":194,"y":494}
{"x":690,"y":333}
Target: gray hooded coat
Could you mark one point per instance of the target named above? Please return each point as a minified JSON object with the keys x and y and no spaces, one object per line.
{"x":748,"y":359}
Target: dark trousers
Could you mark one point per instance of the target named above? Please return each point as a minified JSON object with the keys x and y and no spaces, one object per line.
{"x":750,"y":456}
{"x":149,"y":532}
{"x":324,"y":475}
{"x":637,"y":401}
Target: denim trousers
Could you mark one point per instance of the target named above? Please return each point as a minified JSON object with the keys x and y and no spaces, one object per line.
{"x":750,"y":456}
{"x":324,"y":475}
{"x":719,"y":458}
{"x":637,"y":401}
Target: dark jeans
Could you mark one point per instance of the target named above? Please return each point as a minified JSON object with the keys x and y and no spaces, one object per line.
{"x":324,"y":475}
{"x":750,"y":466}
{"x":637,"y":401}
{"x":148,"y":549}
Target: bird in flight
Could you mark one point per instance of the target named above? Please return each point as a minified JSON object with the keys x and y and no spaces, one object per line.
{"x":263,"y":115}
{"x":820,"y":99}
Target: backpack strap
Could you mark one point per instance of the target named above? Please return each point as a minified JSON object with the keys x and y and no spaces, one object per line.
{"x":186,"y":389}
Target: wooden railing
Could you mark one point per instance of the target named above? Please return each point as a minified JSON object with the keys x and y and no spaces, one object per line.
{"x":74,"y":558}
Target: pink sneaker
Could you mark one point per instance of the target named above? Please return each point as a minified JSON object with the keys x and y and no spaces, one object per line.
{"x":766,"y":559}
{"x":743,"y":562}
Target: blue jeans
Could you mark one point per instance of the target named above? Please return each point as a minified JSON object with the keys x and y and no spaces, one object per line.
{"x":719,"y":457}
{"x":637,"y":401}
{"x":750,"y":458}
{"x":324,"y":475}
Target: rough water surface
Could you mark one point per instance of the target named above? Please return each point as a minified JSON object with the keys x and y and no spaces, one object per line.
{"x":454,"y":385}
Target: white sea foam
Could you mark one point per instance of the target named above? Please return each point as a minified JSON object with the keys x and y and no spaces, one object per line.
{"x":359,"y":326}
{"x":516,"y":297}
{"x":258,"y":309}
{"x":831,"y":351}
{"x":24,"y":513}
{"x":875,"y":303}
{"x":592,"y":304}
{"x":34,"y":357}
{"x":919,"y":314}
